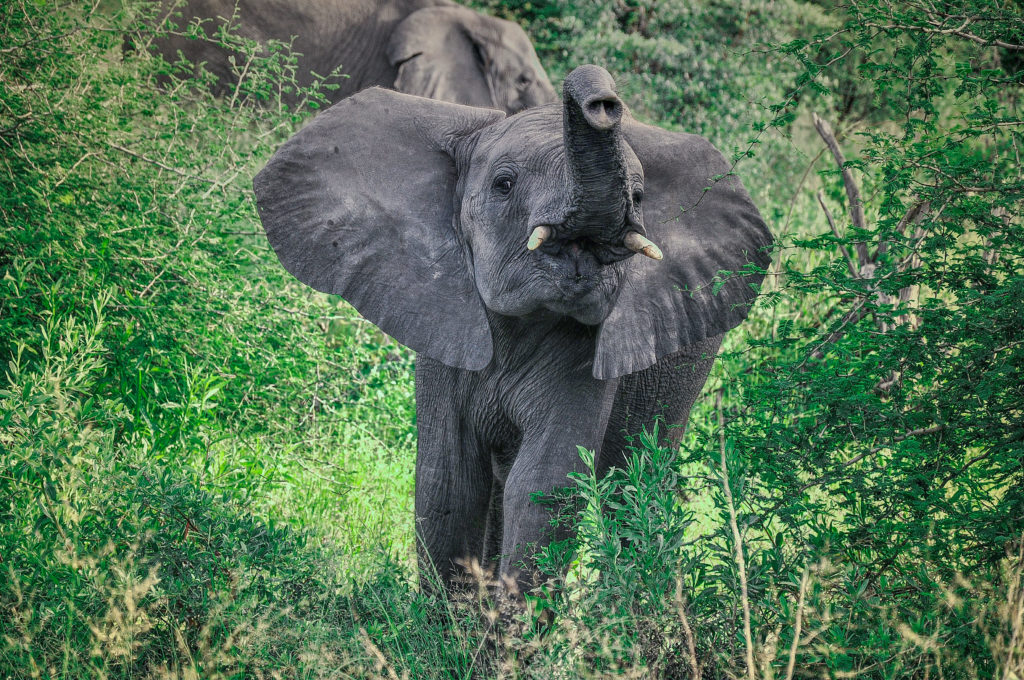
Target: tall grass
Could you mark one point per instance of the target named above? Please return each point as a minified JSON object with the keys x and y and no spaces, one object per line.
{"x":183,"y":426}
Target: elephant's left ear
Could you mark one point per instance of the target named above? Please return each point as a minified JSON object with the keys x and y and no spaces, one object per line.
{"x":715,"y":246}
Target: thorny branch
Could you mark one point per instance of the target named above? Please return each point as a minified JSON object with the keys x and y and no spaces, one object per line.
{"x":986,"y":42}
{"x":865,"y":265}
{"x":160,"y":165}
{"x":827,"y":476}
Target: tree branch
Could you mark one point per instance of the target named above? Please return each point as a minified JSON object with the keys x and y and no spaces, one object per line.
{"x":933,"y":429}
{"x":741,"y":563}
{"x":985,"y":42}
{"x":850,"y":264}
{"x":160,"y":165}
{"x":853,"y":316}
{"x":913,"y":216}
{"x":790,"y":666}
{"x":852,"y":191}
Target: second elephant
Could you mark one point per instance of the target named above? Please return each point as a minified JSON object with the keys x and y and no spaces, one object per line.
{"x":430,"y":48}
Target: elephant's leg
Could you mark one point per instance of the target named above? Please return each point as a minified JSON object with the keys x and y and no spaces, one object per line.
{"x":453,"y":479}
{"x":547,"y":455}
{"x":492,"y":537}
{"x":527,"y":525}
{"x":667,"y":390}
{"x":452,"y":497}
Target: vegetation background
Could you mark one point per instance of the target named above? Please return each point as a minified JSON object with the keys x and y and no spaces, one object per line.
{"x":206,"y":468}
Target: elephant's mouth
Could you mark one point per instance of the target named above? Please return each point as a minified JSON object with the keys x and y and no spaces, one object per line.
{"x":578,"y":266}
{"x":582,"y":255}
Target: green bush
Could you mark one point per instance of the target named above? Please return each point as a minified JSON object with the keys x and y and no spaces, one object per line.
{"x":182,"y":426}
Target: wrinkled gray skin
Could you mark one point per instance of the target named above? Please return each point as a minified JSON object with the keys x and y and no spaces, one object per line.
{"x":430,"y":48}
{"x":419,"y":212}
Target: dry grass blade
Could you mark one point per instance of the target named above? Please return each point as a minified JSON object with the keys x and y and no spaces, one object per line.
{"x":797,"y":626}
{"x":741,"y":563}
{"x":374,"y":651}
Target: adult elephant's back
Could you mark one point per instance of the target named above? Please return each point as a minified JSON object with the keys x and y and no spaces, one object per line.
{"x":432,"y":48}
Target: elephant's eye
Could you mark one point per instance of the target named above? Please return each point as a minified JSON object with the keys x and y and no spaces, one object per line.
{"x":638,"y":196}
{"x":503,"y":184}
{"x":523,"y":81}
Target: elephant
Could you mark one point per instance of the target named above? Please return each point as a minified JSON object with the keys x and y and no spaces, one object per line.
{"x":558,"y":272}
{"x":431,"y":48}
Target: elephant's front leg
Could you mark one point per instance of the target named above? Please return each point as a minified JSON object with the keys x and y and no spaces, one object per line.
{"x":452,"y":499}
{"x":547,"y":455}
{"x":453,"y":479}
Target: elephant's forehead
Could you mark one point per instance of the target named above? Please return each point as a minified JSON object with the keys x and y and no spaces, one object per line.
{"x":528,"y":138}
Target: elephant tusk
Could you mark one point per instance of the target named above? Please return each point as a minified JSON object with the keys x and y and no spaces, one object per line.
{"x":539,"y":235}
{"x":640,"y":244}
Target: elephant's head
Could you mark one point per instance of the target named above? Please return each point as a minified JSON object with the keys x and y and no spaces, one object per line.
{"x":454,"y":54}
{"x":422,"y":213}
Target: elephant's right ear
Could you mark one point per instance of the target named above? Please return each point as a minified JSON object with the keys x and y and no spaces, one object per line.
{"x":360,"y":203}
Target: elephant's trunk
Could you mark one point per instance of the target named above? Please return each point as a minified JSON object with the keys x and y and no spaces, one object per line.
{"x":593,"y":141}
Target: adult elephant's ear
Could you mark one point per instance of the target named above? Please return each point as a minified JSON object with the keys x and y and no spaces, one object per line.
{"x":360,"y":203}
{"x":439,"y":54}
{"x":715,"y":247}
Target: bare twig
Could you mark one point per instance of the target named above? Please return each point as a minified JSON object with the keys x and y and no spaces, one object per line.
{"x":898,"y":438}
{"x":856,"y":313}
{"x":315,"y":403}
{"x":933,"y":429}
{"x":850,"y":264}
{"x":46,"y":38}
{"x":741,"y":562}
{"x":145,"y":291}
{"x":160,"y":165}
{"x":797,"y":626}
{"x":852,"y":191}
{"x":72,"y":169}
{"x":691,"y":646}
{"x":958,"y":33}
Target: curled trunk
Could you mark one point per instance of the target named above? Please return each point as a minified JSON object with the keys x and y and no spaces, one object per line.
{"x":594,"y":148}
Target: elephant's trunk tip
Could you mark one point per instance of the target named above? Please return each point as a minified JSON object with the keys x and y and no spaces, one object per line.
{"x":640,"y":244}
{"x":592,"y":89}
{"x":603,"y":111}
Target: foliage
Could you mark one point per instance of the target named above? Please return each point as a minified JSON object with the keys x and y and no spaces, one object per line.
{"x":883,"y":432}
{"x":206,"y":470}
{"x":181,"y":425}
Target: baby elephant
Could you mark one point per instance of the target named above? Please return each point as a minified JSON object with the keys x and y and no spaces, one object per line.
{"x":554,"y":270}
{"x":432,"y":48}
